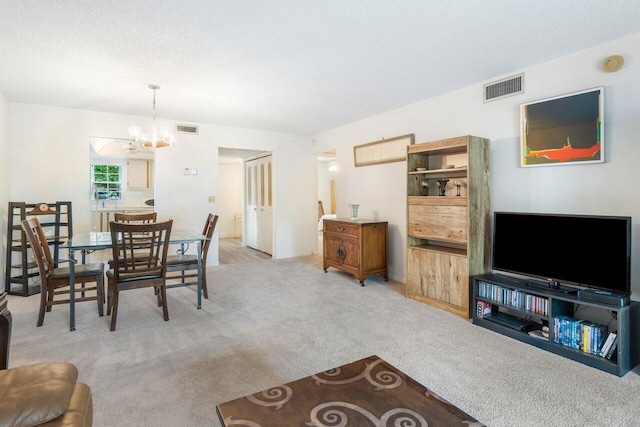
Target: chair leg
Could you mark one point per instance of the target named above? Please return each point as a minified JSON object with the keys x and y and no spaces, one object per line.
{"x":109,"y":299}
{"x":158,"y":295}
{"x":43,"y":305}
{"x":100,"y":296}
{"x":50,"y":293}
{"x":165,"y":310}
{"x":204,"y":285}
{"x":114,"y":314}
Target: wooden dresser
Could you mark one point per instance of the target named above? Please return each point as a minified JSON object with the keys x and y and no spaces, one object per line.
{"x":358,"y":247}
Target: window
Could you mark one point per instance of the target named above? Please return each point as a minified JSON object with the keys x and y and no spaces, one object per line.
{"x":106,"y":182}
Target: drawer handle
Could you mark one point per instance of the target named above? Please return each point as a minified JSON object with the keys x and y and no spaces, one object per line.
{"x":340,"y":229}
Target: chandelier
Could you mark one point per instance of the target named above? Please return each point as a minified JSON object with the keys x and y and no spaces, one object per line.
{"x":164,"y":137}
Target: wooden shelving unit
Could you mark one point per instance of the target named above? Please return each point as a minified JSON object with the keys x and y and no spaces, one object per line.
{"x":447,"y":235}
{"x":56,"y":220}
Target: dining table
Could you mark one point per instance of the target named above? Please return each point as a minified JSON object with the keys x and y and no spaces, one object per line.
{"x":93,"y":241}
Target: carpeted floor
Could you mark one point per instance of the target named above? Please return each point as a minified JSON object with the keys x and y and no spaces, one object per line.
{"x":271,"y":322}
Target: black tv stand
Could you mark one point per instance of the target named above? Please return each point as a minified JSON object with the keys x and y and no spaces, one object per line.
{"x":550,"y":286}
{"x":542,"y":305}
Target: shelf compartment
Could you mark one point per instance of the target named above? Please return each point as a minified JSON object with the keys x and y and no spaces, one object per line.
{"x":441,"y":249}
{"x":444,"y":146}
{"x":437,"y":200}
{"x":459,"y":171}
{"x":514,"y":308}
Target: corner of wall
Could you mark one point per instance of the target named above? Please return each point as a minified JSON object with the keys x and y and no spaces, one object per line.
{"x":5,"y":178}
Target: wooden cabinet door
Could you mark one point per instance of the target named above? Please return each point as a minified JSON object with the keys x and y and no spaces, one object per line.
{"x":343,"y":252}
{"x":446,"y":223}
{"x":452,"y":276}
{"x":438,"y":276}
{"x":421,"y":274}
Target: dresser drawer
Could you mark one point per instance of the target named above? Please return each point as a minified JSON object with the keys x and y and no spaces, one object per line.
{"x":340,"y":227}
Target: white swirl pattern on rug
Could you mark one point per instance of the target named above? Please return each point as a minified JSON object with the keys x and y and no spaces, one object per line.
{"x":271,"y":394}
{"x":230,"y":422}
{"x":385,"y":379}
{"x":334,"y":417}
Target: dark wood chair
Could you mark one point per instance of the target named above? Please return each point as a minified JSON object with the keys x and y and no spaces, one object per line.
{"x":52,"y":279}
{"x":182,"y":263}
{"x":139,"y":260}
{"x":140,"y":218}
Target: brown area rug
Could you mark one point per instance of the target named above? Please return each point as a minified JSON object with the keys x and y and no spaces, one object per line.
{"x":368,"y":392}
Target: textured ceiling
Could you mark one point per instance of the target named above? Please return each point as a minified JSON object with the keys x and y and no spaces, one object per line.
{"x":296,"y":66}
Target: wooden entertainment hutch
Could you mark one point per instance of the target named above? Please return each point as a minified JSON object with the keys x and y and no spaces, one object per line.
{"x":447,"y":221}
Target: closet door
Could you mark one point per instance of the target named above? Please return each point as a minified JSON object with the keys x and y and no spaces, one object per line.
{"x":265,"y":209}
{"x":251,"y":196}
{"x":260,"y":204}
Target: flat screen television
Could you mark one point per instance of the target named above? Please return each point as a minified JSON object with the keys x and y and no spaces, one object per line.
{"x":577,"y":250}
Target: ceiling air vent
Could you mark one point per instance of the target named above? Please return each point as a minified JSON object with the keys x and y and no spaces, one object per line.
{"x":190,"y":129}
{"x":503,"y":88}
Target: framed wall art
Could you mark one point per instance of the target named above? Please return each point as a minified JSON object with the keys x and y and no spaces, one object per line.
{"x":564,"y":130}
{"x":383,"y":151}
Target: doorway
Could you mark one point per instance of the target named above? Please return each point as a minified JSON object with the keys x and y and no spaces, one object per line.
{"x":231,"y":209}
{"x":327,"y":170}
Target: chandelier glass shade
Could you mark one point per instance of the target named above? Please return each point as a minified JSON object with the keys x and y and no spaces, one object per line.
{"x":156,"y":138}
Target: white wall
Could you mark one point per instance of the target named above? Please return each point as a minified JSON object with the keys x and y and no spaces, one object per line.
{"x":5,"y":181}
{"x":50,"y":158}
{"x":607,"y":189}
{"x":230,"y":174}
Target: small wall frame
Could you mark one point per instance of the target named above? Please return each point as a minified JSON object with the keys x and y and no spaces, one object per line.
{"x":564,"y":130}
{"x":383,"y":151}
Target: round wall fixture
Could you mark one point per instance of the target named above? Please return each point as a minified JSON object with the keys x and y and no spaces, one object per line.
{"x":613,"y":63}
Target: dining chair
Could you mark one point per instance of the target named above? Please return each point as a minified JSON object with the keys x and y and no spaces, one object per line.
{"x":138,"y":218}
{"x":139,"y":260}
{"x":182,"y":262}
{"x":53,"y":279}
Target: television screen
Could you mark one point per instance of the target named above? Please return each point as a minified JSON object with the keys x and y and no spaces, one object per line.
{"x":579,"y":250}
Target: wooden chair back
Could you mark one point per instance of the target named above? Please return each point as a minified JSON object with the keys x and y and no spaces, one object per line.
{"x":40,"y":248}
{"x":182,"y":263}
{"x":52,"y":278}
{"x":139,"y":260}
{"x":141,"y":218}
{"x":140,"y":250}
{"x":209,"y":228}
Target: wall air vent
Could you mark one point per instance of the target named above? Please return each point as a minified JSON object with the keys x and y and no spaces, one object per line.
{"x":190,"y":129}
{"x":503,"y":88}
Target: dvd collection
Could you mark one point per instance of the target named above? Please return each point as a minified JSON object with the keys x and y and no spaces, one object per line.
{"x":514,"y":297}
{"x":581,"y":335}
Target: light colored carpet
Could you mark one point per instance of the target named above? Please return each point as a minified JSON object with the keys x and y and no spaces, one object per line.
{"x":271,"y":322}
